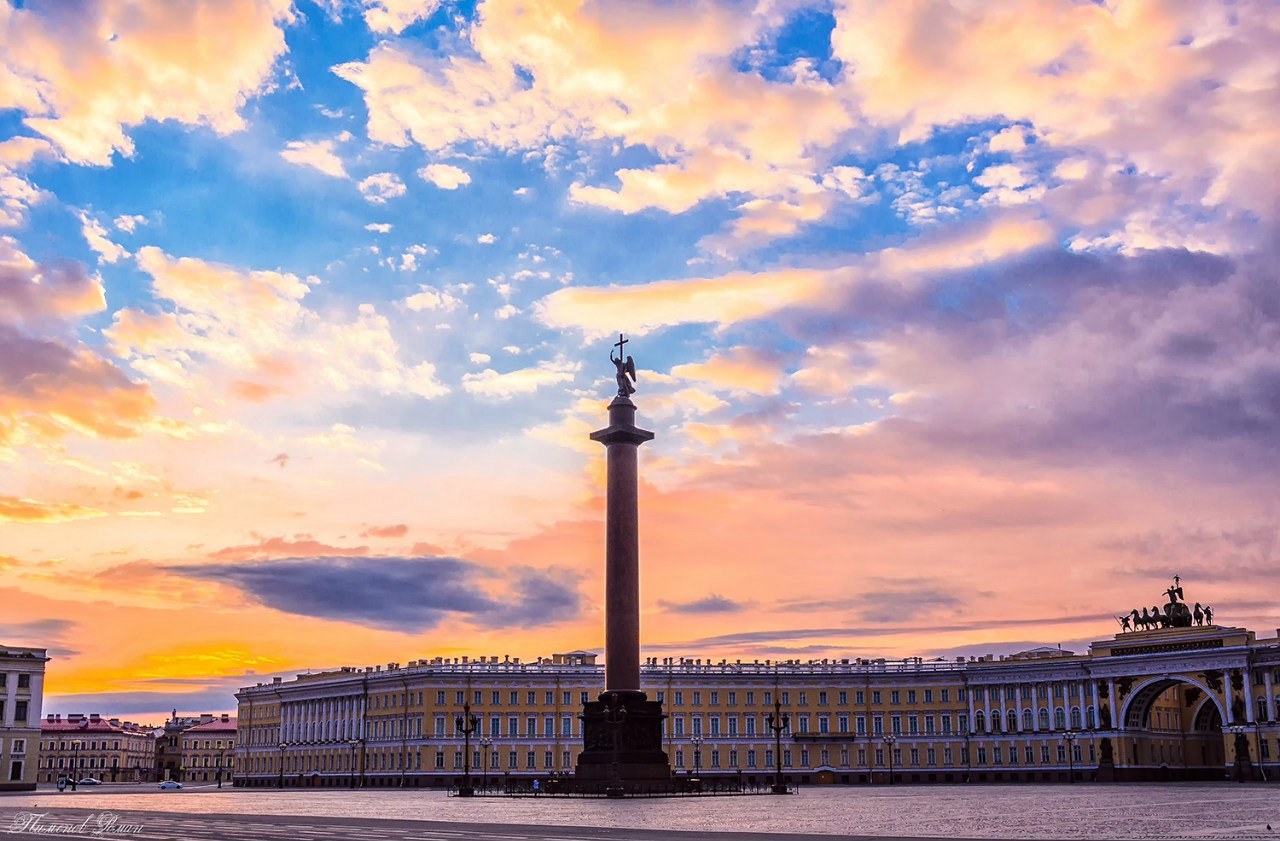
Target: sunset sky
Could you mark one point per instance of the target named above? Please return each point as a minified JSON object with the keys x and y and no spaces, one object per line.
{"x":958,"y":324}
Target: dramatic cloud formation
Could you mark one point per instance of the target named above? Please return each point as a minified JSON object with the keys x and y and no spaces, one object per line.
{"x":926,"y":297}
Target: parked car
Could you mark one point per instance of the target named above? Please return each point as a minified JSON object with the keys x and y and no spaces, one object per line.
{"x":171,"y":784}
{"x":89,"y":781}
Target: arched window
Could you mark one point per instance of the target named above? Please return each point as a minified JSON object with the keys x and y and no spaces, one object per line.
{"x":1012,"y":716}
{"x":1044,"y":719}
{"x":1075,"y":718}
{"x":1059,"y":719}
{"x":1091,"y":720}
{"x":979,"y":721}
{"x":1262,"y":708}
{"x":1028,"y":720}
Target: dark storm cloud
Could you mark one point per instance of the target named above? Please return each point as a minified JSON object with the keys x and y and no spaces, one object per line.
{"x":399,"y":594}
{"x":712,"y":603}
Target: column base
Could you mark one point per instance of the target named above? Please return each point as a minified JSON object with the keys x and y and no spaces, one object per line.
{"x":630,"y":750}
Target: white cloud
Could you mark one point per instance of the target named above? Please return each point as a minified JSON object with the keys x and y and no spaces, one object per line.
{"x":379,"y":227}
{"x":381,"y":186}
{"x":317,"y":154}
{"x":850,"y":180}
{"x":83,"y":73}
{"x":430,"y":298}
{"x":96,"y":236}
{"x":391,"y":17}
{"x":489,"y":383}
{"x":249,"y":332}
{"x":480,"y":358}
{"x":444,"y":176}
{"x":129,"y":224}
{"x":1011,"y":139}
{"x":486,"y":239}
{"x":506,"y":311}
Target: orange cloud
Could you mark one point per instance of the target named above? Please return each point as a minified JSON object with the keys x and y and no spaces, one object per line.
{"x":726,"y":299}
{"x":398,"y":530}
{"x":15,"y":510}
{"x":282,"y":547}
{"x":737,"y":369}
{"x":85,"y":74}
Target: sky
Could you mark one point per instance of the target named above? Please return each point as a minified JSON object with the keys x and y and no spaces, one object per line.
{"x":957,"y":323}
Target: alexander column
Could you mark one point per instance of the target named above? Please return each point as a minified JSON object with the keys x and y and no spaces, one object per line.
{"x":622,"y":731}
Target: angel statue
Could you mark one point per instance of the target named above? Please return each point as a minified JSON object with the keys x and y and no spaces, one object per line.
{"x":626,"y":368}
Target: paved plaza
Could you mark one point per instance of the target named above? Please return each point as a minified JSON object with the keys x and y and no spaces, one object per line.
{"x":1130,"y":812}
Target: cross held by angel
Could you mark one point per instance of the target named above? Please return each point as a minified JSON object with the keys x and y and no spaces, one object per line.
{"x":626,"y":368}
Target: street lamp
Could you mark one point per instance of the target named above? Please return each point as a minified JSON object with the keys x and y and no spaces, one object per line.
{"x":1070,"y":736}
{"x":221,"y":758}
{"x":353,"y":743}
{"x":696,"y":741}
{"x":283,"y":745}
{"x":466,"y":724}
{"x":889,"y":741}
{"x":485,"y":744}
{"x":1243,"y":760}
{"x":75,"y":762}
{"x":778,"y":721}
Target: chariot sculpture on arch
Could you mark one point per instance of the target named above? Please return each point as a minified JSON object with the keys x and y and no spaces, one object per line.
{"x":626,"y":368}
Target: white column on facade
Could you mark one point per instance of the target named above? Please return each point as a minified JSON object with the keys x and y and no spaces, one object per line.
{"x":1097,"y":722}
{"x":34,"y":713}
{"x":1250,"y":705}
{"x":968,"y":694}
{"x":986,"y":700}
{"x":10,"y":688}
{"x":1271,"y":695}
{"x":1116,"y":723}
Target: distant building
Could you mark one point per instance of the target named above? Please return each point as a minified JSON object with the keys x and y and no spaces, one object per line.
{"x":169,"y":743}
{"x":21,"y":694}
{"x":208,"y":750}
{"x":1174,"y":703}
{"x":107,"y":749}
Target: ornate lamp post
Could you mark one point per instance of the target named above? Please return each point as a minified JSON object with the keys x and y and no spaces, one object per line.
{"x":218,"y":772}
{"x":75,"y":763}
{"x":1243,"y":760}
{"x":283,"y":745}
{"x":467,"y":724}
{"x":1070,"y":736}
{"x":485,"y":744}
{"x":777,"y":722}
{"x":353,"y":744}
{"x":889,"y":741}
{"x":696,"y":741}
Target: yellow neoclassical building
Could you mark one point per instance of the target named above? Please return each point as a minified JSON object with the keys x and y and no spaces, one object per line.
{"x":1194,"y":702}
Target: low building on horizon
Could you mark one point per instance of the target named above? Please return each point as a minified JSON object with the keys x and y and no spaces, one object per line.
{"x":208,"y":750}
{"x":21,"y":700}
{"x":1166,"y":704}
{"x":105,"y":749}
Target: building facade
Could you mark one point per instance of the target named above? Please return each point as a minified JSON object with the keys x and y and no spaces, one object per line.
{"x":208,"y":750}
{"x":1176,"y":703}
{"x":21,"y":696}
{"x":106,"y":749}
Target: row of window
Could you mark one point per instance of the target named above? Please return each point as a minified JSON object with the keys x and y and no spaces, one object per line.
{"x":95,"y":744}
{"x":16,"y":747}
{"x":24,"y":680}
{"x":209,"y":744}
